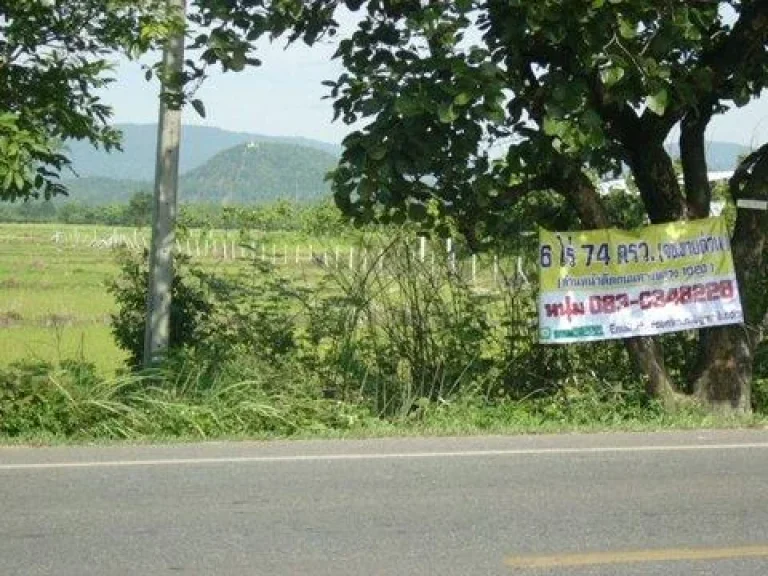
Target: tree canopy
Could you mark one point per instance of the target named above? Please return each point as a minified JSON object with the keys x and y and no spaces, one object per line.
{"x":469,"y":106}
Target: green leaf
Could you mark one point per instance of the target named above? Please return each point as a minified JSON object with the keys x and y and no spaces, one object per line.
{"x":611,"y":76}
{"x":627,"y":30}
{"x":658,"y":102}
{"x":378,"y":152}
{"x":447,"y":114}
{"x":19,"y":180}
{"x":462,"y":99}
{"x":238,"y":61}
{"x":554,"y":127}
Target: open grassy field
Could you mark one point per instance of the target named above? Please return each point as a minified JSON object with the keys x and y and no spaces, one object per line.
{"x":53,"y":301}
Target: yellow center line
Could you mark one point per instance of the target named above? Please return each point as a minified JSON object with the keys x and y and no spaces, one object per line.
{"x":635,"y":557}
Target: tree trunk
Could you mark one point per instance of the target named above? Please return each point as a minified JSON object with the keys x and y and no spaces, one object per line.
{"x":723,"y":379}
{"x":644,"y":352}
{"x":693,"y":156}
{"x":723,"y":373}
{"x":655,"y":176}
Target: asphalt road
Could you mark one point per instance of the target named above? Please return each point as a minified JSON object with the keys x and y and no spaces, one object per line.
{"x":629,"y":504}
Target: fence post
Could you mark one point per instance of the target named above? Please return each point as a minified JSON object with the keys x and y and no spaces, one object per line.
{"x":474,"y":268}
{"x":451,"y":255}
{"x":422,"y":248}
{"x":351,"y":257}
{"x":285,"y":254}
{"x":495,"y":270}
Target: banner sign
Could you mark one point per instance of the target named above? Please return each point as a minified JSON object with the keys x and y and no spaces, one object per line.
{"x":603,"y":284}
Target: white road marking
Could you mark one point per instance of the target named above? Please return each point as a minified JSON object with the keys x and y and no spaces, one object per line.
{"x":377,"y":456}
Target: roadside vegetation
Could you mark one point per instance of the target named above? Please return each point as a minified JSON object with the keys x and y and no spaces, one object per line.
{"x":469,"y":121}
{"x":395,"y":345}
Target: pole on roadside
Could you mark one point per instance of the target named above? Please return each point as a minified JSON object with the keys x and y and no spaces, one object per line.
{"x":159,"y":290}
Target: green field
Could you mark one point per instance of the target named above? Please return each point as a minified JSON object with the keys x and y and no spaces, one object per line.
{"x":53,"y":300}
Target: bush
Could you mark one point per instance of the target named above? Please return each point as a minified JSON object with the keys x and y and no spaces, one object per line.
{"x":189,"y":309}
{"x":248,"y":313}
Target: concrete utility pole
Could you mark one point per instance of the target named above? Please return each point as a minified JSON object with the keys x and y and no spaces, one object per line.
{"x":157,"y":330}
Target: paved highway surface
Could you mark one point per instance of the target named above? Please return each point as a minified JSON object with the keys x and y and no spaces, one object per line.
{"x":619,"y":504}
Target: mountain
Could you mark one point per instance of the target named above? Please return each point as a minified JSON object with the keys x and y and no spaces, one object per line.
{"x":721,"y":156}
{"x":198,"y":145}
{"x":259,"y":172}
{"x":255,"y":172}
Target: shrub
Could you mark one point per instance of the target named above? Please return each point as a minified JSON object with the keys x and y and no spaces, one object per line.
{"x":248,"y":313}
{"x":189,"y":309}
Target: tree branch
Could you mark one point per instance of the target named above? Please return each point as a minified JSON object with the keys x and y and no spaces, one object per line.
{"x":693,"y":155}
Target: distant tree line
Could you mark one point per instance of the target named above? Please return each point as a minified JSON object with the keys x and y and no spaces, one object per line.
{"x":319,"y":219}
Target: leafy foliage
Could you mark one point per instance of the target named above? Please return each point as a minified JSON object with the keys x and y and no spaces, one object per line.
{"x":189,"y":309}
{"x":213,"y":317}
{"x":55,"y":59}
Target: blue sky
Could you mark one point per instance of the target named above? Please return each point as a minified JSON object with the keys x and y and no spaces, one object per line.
{"x":283,"y":97}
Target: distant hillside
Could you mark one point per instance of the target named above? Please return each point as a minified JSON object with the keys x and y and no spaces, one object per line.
{"x":260,"y":172}
{"x":247,"y":173}
{"x":721,"y":156}
{"x":137,"y":160}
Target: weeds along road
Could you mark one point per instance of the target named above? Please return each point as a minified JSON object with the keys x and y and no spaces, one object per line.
{"x":619,"y":504}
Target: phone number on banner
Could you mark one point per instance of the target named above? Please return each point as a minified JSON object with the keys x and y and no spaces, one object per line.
{"x":645,"y":300}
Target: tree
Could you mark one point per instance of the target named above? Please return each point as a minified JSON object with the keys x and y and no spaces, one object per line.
{"x":139,"y":210}
{"x":476,"y":104}
{"x":54,"y":58}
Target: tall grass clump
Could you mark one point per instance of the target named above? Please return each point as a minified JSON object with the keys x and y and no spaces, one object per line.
{"x":399,"y":331}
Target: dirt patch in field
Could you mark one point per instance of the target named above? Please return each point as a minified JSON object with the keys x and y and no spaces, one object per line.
{"x":10,"y":283}
{"x":58,"y":320}
{"x":10,"y":318}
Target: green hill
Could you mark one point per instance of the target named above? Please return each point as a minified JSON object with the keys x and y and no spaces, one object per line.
{"x":98,"y":190}
{"x":198,"y":145}
{"x":244,"y":174}
{"x":259,"y":172}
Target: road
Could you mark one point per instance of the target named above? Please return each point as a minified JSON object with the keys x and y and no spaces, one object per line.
{"x":614,"y":504}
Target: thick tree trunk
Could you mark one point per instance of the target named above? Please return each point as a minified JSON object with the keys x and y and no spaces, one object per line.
{"x":723,"y":373}
{"x":644,"y":352}
{"x":723,"y":378}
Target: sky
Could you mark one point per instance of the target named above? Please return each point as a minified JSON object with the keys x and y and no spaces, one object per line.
{"x":284,"y":97}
